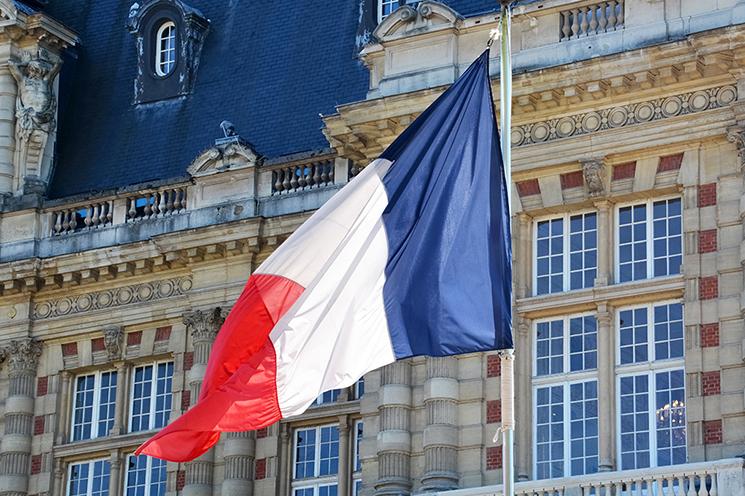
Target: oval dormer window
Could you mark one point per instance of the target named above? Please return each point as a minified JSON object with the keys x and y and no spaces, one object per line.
{"x":165,"y":49}
{"x":386,"y":8}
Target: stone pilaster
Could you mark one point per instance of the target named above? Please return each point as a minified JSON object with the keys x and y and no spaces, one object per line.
{"x":239,"y":454}
{"x":115,"y":474}
{"x":120,"y":413}
{"x":441,"y":431}
{"x":15,"y":447}
{"x":394,"y":438}
{"x":285,"y":462}
{"x":523,"y":398}
{"x":203,"y":326}
{"x":344,"y":458}
{"x":523,"y":275}
{"x":59,"y":478}
{"x":8,"y":93}
{"x":64,"y":393}
{"x":606,"y":389}
{"x":605,"y":243}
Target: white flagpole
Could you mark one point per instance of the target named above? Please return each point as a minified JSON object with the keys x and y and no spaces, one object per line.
{"x":507,"y":357}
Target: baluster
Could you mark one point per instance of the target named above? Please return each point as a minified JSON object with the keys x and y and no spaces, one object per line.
{"x":303,"y":176}
{"x":148,"y":209}
{"x":65,"y":220}
{"x":602,"y":15}
{"x":329,"y":170}
{"x":583,"y":25}
{"x":640,"y":487}
{"x":691,"y":485}
{"x":619,"y":13}
{"x":660,"y":484}
{"x":183,"y":199}
{"x":611,"y":15}
{"x":286,"y":179}
{"x":713,"y":491}
{"x":566,"y":23}
{"x":177,"y":200}
{"x":276,"y":182}
{"x":592,"y":15}
{"x":88,"y":220}
{"x":169,"y":204}
{"x":57,"y":222}
{"x":294,"y":171}
{"x":163,"y":205}
{"x":704,"y":491}
{"x":318,"y":174}
{"x":109,"y":211}
{"x":73,"y":220}
{"x":575,"y":23}
{"x":325,"y":169}
{"x":681,"y":491}
{"x":96,"y":220}
{"x":132,"y":210}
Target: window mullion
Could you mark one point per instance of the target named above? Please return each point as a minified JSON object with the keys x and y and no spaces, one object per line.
{"x":650,"y":241}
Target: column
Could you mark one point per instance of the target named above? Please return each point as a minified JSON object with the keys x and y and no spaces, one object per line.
{"x":64,"y":404}
{"x":522,"y":273}
{"x":344,"y":472}
{"x":440,"y":438}
{"x":203,"y":326}
{"x":285,"y":462}
{"x":605,"y":244}
{"x":394,"y":438}
{"x":60,"y":469}
{"x":606,"y":389}
{"x":115,"y":477}
{"x":15,"y":447}
{"x":7,"y":129}
{"x":523,"y":399}
{"x":239,"y":454}
{"x":120,"y":413}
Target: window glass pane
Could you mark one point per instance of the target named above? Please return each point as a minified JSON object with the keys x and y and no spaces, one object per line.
{"x":142,"y":386}
{"x":668,"y":331}
{"x":359,"y":388}
{"x":305,"y":453}
{"x":583,"y":427}
{"x":634,"y":409}
{"x":670,"y":417}
{"x":303,"y":491}
{"x":100,"y":481}
{"x":78,"y":484}
{"x":357,"y":440}
{"x":549,"y":431}
{"x":136,"y":475}
{"x":632,"y":243}
{"x":633,"y":335}
{"x":329,"y":490}
{"x":83,"y":409}
{"x":163,"y":396}
{"x":387,"y":7}
{"x":550,"y":347}
{"x":583,"y":343}
{"x":550,"y":256}
{"x":329,"y":455}
{"x":357,"y":487}
{"x":582,"y":250}
{"x":667,"y":230}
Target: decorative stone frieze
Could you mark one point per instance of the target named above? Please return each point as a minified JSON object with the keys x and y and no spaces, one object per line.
{"x":623,"y":116}
{"x":113,"y":339}
{"x":109,"y":298}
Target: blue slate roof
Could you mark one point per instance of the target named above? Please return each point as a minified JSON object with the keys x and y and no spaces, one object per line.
{"x":268,"y":67}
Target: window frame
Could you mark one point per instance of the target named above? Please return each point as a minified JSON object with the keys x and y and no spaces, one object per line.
{"x":379,"y":14}
{"x":317,"y":481}
{"x":148,"y":474}
{"x":652,"y":363}
{"x":159,"y":52}
{"x":566,"y":262}
{"x":90,"y":463}
{"x":566,"y":373}
{"x":153,"y":395}
{"x":356,"y":459}
{"x":96,"y":404}
{"x":649,"y":237}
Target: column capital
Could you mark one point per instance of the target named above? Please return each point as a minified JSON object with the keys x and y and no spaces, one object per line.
{"x":113,"y":339}
{"x":203,"y":325}
{"x":523,"y":325}
{"x":595,"y":174}
{"x":343,"y":425}
{"x":736,"y":135}
{"x":604,"y":311}
{"x":23,"y":355}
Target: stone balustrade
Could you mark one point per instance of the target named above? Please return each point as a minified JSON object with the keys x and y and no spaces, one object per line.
{"x":155,"y":204}
{"x":714,"y":478}
{"x":82,"y":217}
{"x":299,"y":177}
{"x":592,"y":19}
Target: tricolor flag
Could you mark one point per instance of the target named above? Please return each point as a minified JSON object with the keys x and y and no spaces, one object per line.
{"x":412,"y":257}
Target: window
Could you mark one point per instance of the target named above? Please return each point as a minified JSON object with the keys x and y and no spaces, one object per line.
{"x":316,"y":464}
{"x":165,"y":49}
{"x":386,"y":8}
{"x":565,"y":253}
{"x":359,"y":389}
{"x":650,"y":240}
{"x":651,"y":386}
{"x":327,"y":397}
{"x":566,"y":397}
{"x":357,"y":461}
{"x":93,"y":410}
{"x":89,"y":478}
{"x":146,"y":476}
{"x":151,"y":396}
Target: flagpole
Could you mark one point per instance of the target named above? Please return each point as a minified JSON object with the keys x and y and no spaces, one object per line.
{"x":507,"y":357}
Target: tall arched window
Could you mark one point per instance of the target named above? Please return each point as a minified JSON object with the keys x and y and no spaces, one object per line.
{"x":386,"y":8}
{"x":165,"y":48}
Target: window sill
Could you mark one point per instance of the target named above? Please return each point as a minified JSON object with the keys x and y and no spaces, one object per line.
{"x":102,"y":444}
{"x":626,"y":293}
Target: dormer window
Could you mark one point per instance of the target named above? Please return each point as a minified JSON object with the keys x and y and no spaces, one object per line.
{"x":165,"y":49}
{"x":386,"y":8}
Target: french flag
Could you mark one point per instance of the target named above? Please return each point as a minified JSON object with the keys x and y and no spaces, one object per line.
{"x":412,"y":257}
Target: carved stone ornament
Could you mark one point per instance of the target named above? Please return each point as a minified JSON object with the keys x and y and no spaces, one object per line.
{"x":36,"y":108}
{"x":595,"y":176}
{"x":204,"y":324}
{"x":113,"y":339}
{"x":23,"y":355}
{"x":736,"y":135}
{"x":427,"y":15}
{"x":225,"y":155}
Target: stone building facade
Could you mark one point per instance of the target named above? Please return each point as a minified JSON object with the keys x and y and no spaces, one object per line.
{"x":133,"y":211}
